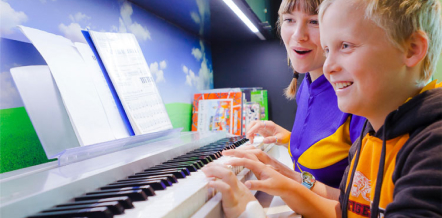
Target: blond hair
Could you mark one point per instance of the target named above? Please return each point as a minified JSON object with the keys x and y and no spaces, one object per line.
{"x":287,"y":6}
{"x":400,"y":19}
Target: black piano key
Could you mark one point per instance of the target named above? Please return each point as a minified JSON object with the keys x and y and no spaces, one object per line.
{"x":179,"y":174}
{"x":113,"y":206}
{"x":155,"y":184}
{"x":125,"y":201}
{"x":198,"y":162}
{"x":134,"y":195}
{"x":204,"y":160}
{"x":183,"y":169}
{"x":162,"y":179}
{"x":190,"y":167}
{"x":146,"y":189}
{"x":98,"y":212}
{"x":169,"y":177}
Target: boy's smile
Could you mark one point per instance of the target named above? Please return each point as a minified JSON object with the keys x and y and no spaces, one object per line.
{"x":366,"y":70}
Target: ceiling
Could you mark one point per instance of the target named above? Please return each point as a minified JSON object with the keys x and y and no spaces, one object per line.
{"x":224,"y":25}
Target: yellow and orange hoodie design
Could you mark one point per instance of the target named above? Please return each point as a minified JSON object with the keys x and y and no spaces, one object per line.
{"x":399,"y":167}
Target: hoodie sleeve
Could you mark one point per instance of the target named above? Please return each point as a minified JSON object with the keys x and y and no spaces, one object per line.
{"x":418,"y":175}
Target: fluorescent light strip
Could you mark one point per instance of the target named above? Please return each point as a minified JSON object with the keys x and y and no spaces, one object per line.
{"x":244,"y":18}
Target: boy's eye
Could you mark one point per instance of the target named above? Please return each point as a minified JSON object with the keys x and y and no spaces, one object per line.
{"x":315,"y":22}
{"x":345,"y":45}
{"x":288,"y":20}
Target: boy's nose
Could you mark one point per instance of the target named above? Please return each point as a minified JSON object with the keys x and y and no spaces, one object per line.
{"x":331,"y":65}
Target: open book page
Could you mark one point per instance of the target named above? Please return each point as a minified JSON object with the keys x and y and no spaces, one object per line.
{"x":115,"y":121}
{"x":76,"y":87}
{"x":45,"y":108}
{"x":130,"y":75}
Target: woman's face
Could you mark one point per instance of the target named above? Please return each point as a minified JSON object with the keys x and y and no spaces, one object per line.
{"x":300,"y":33}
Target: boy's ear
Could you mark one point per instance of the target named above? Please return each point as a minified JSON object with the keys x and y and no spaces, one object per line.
{"x":416,"y":48}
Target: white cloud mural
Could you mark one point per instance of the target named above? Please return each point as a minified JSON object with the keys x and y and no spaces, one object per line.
{"x":157,"y":71}
{"x":9,"y":97}
{"x":79,"y":17}
{"x":72,"y":32}
{"x":126,"y":24}
{"x":10,"y":18}
{"x":204,"y":79}
{"x":196,"y":52}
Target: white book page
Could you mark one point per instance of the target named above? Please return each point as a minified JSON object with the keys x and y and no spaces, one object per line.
{"x":130,"y":75}
{"x":45,"y":108}
{"x":113,"y":116}
{"x":74,"y":82}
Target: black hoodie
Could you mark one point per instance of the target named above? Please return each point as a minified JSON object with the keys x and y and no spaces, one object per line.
{"x":399,"y":167}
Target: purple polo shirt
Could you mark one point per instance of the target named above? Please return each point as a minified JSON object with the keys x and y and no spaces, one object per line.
{"x":318,"y":119}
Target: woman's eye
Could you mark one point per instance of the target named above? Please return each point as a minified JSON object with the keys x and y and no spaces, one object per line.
{"x":288,"y":20}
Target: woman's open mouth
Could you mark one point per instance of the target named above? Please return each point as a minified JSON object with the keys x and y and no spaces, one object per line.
{"x":302,"y":52}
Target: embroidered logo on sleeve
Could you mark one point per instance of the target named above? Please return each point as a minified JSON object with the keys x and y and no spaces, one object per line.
{"x":361,"y":186}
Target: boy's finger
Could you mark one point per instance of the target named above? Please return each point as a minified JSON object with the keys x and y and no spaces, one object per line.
{"x":253,"y":165}
{"x":256,"y":185}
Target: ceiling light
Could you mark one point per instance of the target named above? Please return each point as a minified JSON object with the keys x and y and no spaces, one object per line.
{"x":244,"y":18}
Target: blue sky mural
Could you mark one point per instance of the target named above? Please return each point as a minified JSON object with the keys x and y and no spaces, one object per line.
{"x":180,"y":61}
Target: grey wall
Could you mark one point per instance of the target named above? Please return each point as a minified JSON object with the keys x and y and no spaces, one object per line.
{"x":257,"y":64}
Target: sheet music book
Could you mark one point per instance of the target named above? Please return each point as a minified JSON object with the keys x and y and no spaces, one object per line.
{"x":133,"y":82}
{"x":73,"y":78}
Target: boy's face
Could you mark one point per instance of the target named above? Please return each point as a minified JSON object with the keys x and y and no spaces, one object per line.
{"x":361,"y":64}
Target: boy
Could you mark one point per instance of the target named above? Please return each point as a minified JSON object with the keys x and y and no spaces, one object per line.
{"x":380,"y":55}
{"x":379,"y":64}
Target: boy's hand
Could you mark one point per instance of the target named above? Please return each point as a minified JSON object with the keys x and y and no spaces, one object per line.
{"x":255,"y":154}
{"x":271,"y":132}
{"x":235,"y":195}
{"x":270,"y":181}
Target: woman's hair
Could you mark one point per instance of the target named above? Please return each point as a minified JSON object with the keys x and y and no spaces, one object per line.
{"x":400,"y":19}
{"x":287,"y":6}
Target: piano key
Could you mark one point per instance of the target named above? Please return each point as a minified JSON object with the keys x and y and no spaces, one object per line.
{"x":204,"y":160}
{"x":98,"y":212}
{"x":169,"y":177}
{"x":190,"y":167}
{"x":162,"y":179}
{"x":113,"y":206}
{"x":198,"y":162}
{"x":134,"y":195}
{"x":125,"y":201}
{"x":155,"y":184}
{"x":146,"y":189}
{"x":183,"y":169}
{"x":179,"y":174}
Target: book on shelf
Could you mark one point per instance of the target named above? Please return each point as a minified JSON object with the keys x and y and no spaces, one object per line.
{"x":260,"y":97}
{"x":218,"y":111}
